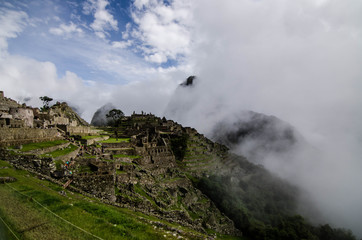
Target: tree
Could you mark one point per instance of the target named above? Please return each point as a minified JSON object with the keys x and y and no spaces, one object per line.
{"x":46,"y":100}
{"x":115,"y":114}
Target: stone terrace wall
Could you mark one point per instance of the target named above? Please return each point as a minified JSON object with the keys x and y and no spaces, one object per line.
{"x":68,"y":156}
{"x":17,"y":136}
{"x":101,"y":186}
{"x":29,"y":162}
{"x":49,"y":149}
{"x":116,"y":145}
{"x":81,"y":130}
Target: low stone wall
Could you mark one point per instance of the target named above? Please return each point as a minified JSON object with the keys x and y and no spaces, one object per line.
{"x":93,"y":140}
{"x":116,"y":145}
{"x":19,"y":136}
{"x":68,"y":156}
{"x":124,"y":151}
{"x":81,"y":130}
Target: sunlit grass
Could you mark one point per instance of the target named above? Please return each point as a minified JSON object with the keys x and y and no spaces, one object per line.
{"x":61,"y":152}
{"x":91,"y":137}
{"x":115,"y":140}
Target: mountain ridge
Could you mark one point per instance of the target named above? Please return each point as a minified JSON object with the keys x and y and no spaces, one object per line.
{"x":162,"y":169}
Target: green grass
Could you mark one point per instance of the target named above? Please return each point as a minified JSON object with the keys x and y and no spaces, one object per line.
{"x":61,"y":152}
{"x":84,"y":169}
{"x":91,"y":137}
{"x":41,"y":145}
{"x":102,"y":220}
{"x":120,"y":171}
{"x":115,"y":140}
{"x":138,"y":189}
{"x":89,"y":156}
{"x":126,"y":156}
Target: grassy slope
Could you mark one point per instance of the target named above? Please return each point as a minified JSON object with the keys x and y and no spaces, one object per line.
{"x":105,"y":221}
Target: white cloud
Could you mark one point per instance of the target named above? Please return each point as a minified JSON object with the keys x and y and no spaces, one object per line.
{"x":121,"y":44}
{"x":103,"y":19}
{"x":40,"y":78}
{"x":12,"y":23}
{"x":66,"y":30}
{"x":156,"y":58}
{"x":163,"y":30}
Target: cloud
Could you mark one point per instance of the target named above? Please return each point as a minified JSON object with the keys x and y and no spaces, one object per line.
{"x":162,"y":30}
{"x":103,"y":19}
{"x":131,"y":79}
{"x":66,"y":30}
{"x":121,"y":44}
{"x":297,"y":60}
{"x":12,"y":23}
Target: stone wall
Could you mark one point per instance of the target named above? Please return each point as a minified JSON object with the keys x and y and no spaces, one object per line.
{"x":93,"y":140}
{"x":101,"y":186}
{"x":125,"y":151}
{"x":18,"y":136}
{"x":116,"y":145}
{"x":81,"y":130}
{"x":30,"y":162}
{"x":68,"y":156}
{"x":25,"y":114}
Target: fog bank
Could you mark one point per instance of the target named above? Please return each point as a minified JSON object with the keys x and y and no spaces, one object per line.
{"x":299,"y":61}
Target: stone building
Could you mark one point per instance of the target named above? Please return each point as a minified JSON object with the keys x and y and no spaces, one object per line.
{"x":23,"y":113}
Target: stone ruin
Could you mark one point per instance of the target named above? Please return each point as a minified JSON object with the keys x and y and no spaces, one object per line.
{"x":21,"y":124}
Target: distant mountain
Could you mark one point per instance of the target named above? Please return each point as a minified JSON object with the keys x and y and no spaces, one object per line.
{"x":256,"y":135}
{"x":99,"y":118}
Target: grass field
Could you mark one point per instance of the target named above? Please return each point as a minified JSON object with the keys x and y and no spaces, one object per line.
{"x":92,"y":137}
{"x":20,"y":209}
{"x":115,"y":140}
{"x":61,"y":152}
{"x":34,"y":209}
{"x":41,"y":145}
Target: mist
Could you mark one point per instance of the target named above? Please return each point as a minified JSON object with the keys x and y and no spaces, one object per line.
{"x":299,"y":61}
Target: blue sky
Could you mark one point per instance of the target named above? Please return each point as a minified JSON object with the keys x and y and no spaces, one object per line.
{"x":66,"y":32}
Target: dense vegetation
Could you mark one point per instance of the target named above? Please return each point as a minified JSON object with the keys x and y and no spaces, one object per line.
{"x":263,"y":215}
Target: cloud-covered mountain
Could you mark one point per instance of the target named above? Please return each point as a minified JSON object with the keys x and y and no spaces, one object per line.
{"x":254,"y":135}
{"x":99,"y":118}
{"x":271,"y":142}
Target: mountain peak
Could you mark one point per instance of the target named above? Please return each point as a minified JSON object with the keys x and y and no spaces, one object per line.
{"x":189,"y":81}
